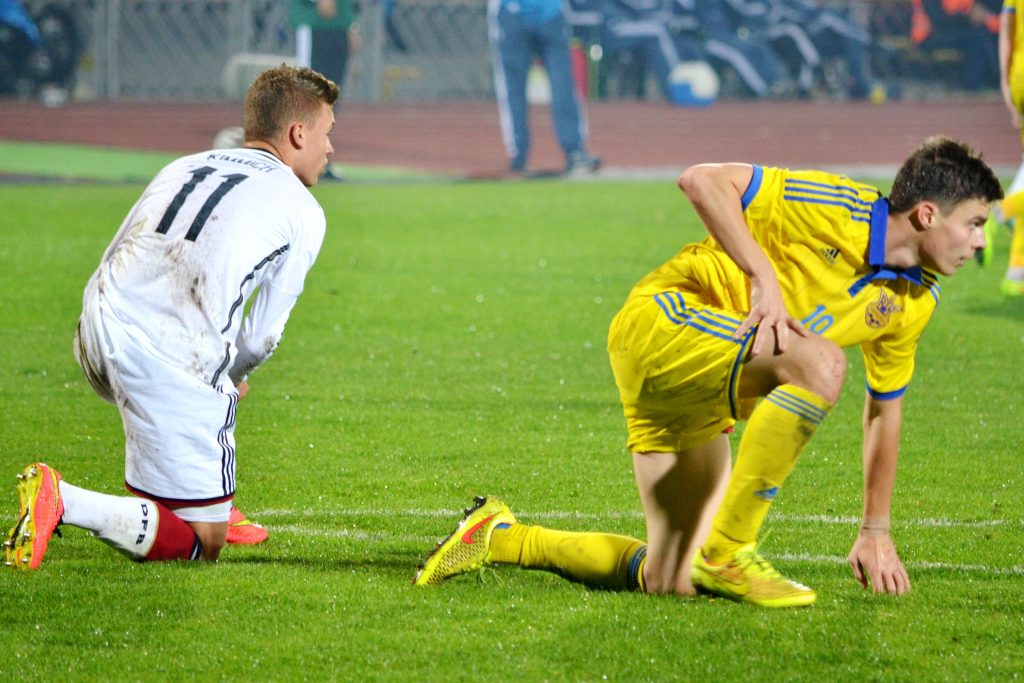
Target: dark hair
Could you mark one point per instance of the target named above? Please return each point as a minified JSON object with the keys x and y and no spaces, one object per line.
{"x":284,"y":94}
{"x":946,"y":172}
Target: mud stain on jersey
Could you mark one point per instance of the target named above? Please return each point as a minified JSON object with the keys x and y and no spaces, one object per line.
{"x":186,"y":273}
{"x":269,"y":344}
{"x":195,"y":290}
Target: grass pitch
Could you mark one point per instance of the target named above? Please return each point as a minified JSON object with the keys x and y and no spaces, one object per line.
{"x":450,"y":343}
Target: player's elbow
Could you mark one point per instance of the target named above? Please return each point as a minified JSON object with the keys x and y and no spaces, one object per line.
{"x":693,"y":179}
{"x":707,"y":184}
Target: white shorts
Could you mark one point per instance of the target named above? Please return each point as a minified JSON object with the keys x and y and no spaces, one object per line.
{"x":179,"y":431}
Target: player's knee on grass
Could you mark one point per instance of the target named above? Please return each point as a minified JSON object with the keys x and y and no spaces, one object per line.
{"x":213,"y":536}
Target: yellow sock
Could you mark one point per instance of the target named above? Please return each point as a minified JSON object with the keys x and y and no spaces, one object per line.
{"x":1017,"y":245}
{"x":779,"y":428}
{"x":597,"y":560}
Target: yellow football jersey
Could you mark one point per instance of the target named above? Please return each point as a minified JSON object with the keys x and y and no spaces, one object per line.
{"x":825,"y":235}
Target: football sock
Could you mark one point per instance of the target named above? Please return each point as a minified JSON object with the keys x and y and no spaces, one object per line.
{"x":141,"y":529}
{"x":175,"y":539}
{"x":779,"y":428}
{"x":1016,"y":267}
{"x":597,"y":560}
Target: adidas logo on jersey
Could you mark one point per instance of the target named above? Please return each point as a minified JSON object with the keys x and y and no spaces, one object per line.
{"x":829,"y":255}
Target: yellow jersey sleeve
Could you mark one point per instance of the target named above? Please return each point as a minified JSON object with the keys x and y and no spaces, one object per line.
{"x":889,"y":359}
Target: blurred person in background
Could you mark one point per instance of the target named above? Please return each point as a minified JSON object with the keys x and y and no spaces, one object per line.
{"x":766,"y":21}
{"x":326,"y":34}
{"x":520,"y":31}
{"x":727,"y":46}
{"x":39,"y":52}
{"x":649,"y":29}
{"x":1011,"y":209}
{"x":969,"y":27}
{"x":19,"y":41}
{"x":835,"y":36}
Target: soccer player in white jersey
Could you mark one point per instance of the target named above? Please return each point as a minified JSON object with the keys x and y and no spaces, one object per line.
{"x":162,"y":334}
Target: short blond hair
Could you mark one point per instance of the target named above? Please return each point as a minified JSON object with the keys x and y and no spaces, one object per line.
{"x":284,"y":94}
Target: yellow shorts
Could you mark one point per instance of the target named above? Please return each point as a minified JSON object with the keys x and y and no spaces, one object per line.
{"x":677,"y":368}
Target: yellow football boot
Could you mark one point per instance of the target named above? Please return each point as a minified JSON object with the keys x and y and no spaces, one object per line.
{"x":748,"y":577}
{"x":468,"y":547}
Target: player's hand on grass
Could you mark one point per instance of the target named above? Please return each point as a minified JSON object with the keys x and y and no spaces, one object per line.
{"x":877,"y":565}
{"x":768,"y":312}
{"x":243,"y":390}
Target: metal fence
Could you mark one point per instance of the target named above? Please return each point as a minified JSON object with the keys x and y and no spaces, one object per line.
{"x":428,"y":50}
{"x":211,"y":49}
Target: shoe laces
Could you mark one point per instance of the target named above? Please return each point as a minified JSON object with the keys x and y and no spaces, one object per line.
{"x":751,"y":556}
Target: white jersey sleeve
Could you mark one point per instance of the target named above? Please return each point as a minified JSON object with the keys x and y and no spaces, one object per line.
{"x":210,"y":230}
{"x":262,"y":328}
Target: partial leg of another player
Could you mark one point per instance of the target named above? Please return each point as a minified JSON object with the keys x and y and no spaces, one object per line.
{"x":680,"y":493}
{"x":490,"y":534}
{"x":799,"y":386}
{"x":243,"y":531}
{"x":1010,"y":211}
{"x":142,"y":529}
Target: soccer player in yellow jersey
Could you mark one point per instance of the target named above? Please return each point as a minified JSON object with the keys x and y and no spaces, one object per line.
{"x":1011,"y":72}
{"x":798,"y":264}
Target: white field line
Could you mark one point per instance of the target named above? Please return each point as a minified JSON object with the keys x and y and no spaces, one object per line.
{"x":953,"y":566}
{"x":373,"y":536}
{"x":428,"y":541}
{"x":455,"y":515}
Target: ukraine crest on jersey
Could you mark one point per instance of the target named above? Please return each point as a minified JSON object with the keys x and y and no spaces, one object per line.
{"x":825,"y":235}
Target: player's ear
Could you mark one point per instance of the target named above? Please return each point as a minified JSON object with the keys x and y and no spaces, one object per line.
{"x":923,"y":215}
{"x":297,"y":134}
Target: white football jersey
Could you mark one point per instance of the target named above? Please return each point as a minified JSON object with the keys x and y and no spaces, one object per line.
{"x":208,"y":231}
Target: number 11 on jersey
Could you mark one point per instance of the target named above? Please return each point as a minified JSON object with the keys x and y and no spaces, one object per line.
{"x":198,"y":176}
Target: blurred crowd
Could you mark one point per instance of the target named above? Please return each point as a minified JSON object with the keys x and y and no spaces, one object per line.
{"x":774,"y":49}
{"x":791,"y":49}
{"x":39,"y":52}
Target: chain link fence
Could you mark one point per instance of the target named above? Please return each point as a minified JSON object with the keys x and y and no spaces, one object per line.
{"x":211,"y":49}
{"x":420,"y":50}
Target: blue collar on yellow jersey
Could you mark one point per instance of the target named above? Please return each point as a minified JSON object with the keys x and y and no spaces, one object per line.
{"x":876,"y":252}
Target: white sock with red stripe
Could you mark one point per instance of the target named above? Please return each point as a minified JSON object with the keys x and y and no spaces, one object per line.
{"x":141,"y":529}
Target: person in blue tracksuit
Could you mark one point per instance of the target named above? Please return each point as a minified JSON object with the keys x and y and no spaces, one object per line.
{"x":519,"y":31}
{"x":758,"y":66}
{"x":645,"y":27}
{"x":833,"y":34}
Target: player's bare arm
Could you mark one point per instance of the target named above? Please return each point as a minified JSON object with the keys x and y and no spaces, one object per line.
{"x":873,"y":558}
{"x":715,"y":191}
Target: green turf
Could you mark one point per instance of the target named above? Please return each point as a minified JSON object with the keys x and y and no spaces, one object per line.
{"x":451,"y":342}
{"x":82,"y":162}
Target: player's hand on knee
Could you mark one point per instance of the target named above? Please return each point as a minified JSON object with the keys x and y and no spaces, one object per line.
{"x":768,"y":312}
